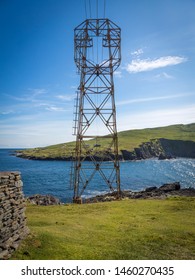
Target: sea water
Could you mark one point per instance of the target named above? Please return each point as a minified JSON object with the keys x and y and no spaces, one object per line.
{"x":53,"y":177}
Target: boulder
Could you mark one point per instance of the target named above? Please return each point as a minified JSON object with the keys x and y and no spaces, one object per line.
{"x":45,"y":200}
{"x":150,"y":189}
{"x":170,"y":187}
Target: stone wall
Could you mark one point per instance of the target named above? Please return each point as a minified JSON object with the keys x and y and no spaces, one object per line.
{"x":13,"y":227}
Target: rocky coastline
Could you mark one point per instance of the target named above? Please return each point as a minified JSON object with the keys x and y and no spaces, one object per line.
{"x":164,"y":191}
{"x":156,"y":148}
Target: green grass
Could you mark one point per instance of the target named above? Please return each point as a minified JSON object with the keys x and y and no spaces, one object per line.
{"x":127,"y":140}
{"x":133,"y":138}
{"x":129,"y":229}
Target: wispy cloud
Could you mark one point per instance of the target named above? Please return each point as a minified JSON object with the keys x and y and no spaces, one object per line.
{"x":35,"y":133}
{"x":37,"y":91}
{"x":163,"y":75}
{"x":118,"y":74}
{"x":156,"y":118}
{"x":137,"y":52}
{"x":142,"y":65}
{"x":6,"y":112}
{"x":66,"y":97}
{"x":55,"y":109}
{"x":30,"y":95}
{"x":149,"y":99}
{"x":41,"y":104}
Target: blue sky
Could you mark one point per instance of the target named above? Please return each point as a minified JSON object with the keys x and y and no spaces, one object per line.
{"x":154,"y":86}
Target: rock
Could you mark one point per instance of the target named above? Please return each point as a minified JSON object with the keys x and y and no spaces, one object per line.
{"x":178,"y":148}
{"x":163,"y":156}
{"x":4,"y":255}
{"x":170,"y":187}
{"x":128,"y":155}
{"x":43,"y":200}
{"x":150,"y":189}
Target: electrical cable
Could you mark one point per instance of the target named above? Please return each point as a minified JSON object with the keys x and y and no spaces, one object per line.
{"x":104,"y":8}
{"x":90,"y":8}
{"x":85,"y":8}
{"x":97,"y":7}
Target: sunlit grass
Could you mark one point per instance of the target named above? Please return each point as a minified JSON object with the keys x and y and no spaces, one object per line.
{"x":131,"y":229}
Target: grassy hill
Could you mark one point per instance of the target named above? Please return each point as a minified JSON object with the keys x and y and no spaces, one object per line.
{"x":125,"y":230}
{"x":127,"y":140}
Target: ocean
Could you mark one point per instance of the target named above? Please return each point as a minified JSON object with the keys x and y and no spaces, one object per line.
{"x":53,"y":177}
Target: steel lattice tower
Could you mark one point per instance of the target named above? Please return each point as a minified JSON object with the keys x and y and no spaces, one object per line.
{"x":97,"y":55}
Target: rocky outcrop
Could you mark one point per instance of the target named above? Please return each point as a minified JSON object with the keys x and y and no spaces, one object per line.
{"x":144,"y":151}
{"x":13,"y":227}
{"x":162,"y":149}
{"x":127,"y":155}
{"x":166,"y":190}
{"x":178,"y":148}
{"x":45,"y":200}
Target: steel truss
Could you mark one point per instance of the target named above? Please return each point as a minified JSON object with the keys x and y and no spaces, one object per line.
{"x":97,"y":55}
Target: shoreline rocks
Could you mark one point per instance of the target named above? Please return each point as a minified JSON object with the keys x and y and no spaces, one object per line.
{"x":166,"y":190}
{"x":45,"y":200}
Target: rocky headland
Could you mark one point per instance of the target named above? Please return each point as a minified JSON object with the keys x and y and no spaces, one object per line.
{"x":155,"y":148}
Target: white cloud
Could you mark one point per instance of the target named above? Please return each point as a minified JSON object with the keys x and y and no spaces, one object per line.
{"x":37,"y":91}
{"x":118,"y":74}
{"x":36,"y":133}
{"x":148,"y":99}
{"x":164,"y":75}
{"x":156,"y":118}
{"x":55,"y":109}
{"x":142,"y":65}
{"x":6,"y":112}
{"x":30,"y":95}
{"x":66,"y":97}
{"x":41,"y":104}
{"x":137,"y":52}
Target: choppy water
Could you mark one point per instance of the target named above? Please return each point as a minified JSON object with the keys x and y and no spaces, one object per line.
{"x":52,"y":177}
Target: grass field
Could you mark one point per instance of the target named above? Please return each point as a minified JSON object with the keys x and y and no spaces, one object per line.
{"x":129,"y":229}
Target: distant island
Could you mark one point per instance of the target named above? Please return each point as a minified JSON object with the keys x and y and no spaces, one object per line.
{"x":161,"y":142}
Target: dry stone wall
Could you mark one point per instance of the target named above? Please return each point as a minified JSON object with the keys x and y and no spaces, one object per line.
{"x":13,"y":227}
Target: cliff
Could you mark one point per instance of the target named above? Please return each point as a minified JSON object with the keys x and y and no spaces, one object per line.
{"x":161,"y":148}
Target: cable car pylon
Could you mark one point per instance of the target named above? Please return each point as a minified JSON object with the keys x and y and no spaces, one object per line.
{"x":97,"y":54}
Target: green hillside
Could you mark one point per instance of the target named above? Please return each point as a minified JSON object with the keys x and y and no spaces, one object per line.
{"x":128,"y":140}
